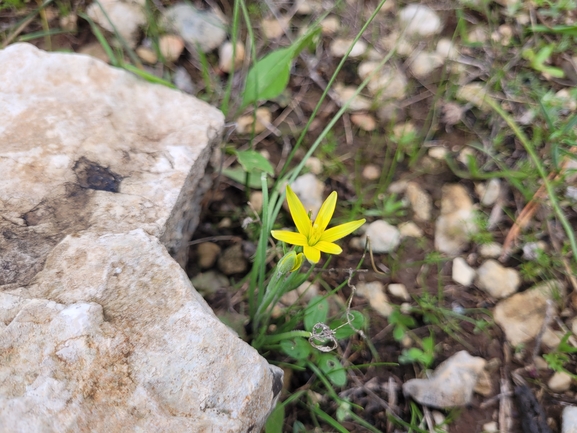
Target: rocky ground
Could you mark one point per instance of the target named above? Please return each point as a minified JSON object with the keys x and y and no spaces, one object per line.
{"x":460,"y":154}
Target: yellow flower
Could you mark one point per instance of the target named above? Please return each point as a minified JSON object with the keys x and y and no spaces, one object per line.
{"x":314,"y":236}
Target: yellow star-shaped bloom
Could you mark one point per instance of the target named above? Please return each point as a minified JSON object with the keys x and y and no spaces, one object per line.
{"x":314,"y":237}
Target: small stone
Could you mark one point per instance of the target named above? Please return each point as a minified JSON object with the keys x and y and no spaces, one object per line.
{"x":410,"y":230}
{"x":273,"y":28}
{"x":171,"y":47}
{"x":330,"y":25}
{"x":399,"y":291}
{"x":569,"y":419}
{"x":147,"y":55}
{"x":225,"y":223}
{"x":521,"y":316}
{"x":423,"y":64}
{"x":306,"y":291}
{"x":398,"y":41}
{"x":307,"y":7}
{"x":203,"y":29}
{"x":232,"y":261}
{"x":491,"y":250}
{"x":310,"y":191}
{"x":532,"y":250}
{"x":559,"y":382}
{"x":244,"y":124}
{"x":438,"y":417}
{"x":225,"y":53}
{"x":210,"y":282}
{"x":94,"y":49}
{"x":437,"y":152}
{"x":357,"y":243}
{"x":491,"y":427}
{"x":118,"y":16}
{"x":420,"y":20}
{"x":462,"y":272}
{"x":255,"y":200}
{"x":340,"y":46}
{"x":371,"y":172}
{"x":489,"y":192}
{"x":451,"y":385}
{"x":541,"y":364}
{"x":420,"y":201}
{"x":551,"y":338}
{"x":314,"y":165}
{"x":574,"y":326}
{"x":446,"y":49}
{"x":484,"y":385}
{"x":398,"y":187}
{"x":207,"y":254}
{"x":364,"y":121}
{"x":375,"y":293}
{"x":383,"y":237}
{"x":183,"y":81}
{"x":344,"y":93}
{"x":402,"y":130}
{"x":69,"y":22}
{"x":478,"y":34}
{"x":456,"y":223}
{"x":497,"y":280}
{"x":387,"y":83}
{"x":474,"y":93}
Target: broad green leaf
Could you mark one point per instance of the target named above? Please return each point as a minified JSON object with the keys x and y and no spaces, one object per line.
{"x":332,"y":368}
{"x":275,"y":421}
{"x":316,"y":312}
{"x":269,"y":76}
{"x":297,"y":348}
{"x":252,"y":161}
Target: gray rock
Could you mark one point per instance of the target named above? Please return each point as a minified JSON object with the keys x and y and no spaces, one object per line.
{"x":451,"y":385}
{"x":383,"y":237}
{"x":203,"y":29}
{"x":497,"y":280}
{"x":570,"y":419}
{"x":232,"y":260}
{"x":127,"y":154}
{"x":112,"y":337}
{"x":521,"y":316}
{"x":100,"y":329}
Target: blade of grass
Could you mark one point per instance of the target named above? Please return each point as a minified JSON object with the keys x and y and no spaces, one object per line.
{"x":101,"y":39}
{"x":20,"y":26}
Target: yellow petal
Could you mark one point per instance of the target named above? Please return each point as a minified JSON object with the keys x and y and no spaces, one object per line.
{"x":289,"y":237}
{"x":340,"y":231}
{"x":298,"y":212}
{"x":326,"y":212}
{"x":328,"y":247}
{"x":312,"y":254}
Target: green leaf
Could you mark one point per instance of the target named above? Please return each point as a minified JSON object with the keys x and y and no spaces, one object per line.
{"x":399,"y":332}
{"x":316,"y":312}
{"x":239,"y":175}
{"x":332,"y":368}
{"x":346,"y":331}
{"x":297,"y":348}
{"x":275,"y":421}
{"x":252,"y":161}
{"x":269,"y":76}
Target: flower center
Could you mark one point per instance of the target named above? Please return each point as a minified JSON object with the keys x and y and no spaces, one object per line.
{"x":315,"y":235}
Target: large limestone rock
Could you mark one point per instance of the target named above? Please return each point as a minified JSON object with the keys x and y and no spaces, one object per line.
{"x":113,"y":338}
{"x":100,"y":328}
{"x":84,"y":146}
